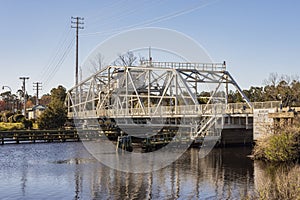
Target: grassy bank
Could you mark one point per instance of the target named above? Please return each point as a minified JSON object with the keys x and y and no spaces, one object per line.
{"x":7,"y":126}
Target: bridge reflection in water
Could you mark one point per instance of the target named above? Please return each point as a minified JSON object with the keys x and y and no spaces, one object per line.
{"x":223,"y":174}
{"x":68,"y":171}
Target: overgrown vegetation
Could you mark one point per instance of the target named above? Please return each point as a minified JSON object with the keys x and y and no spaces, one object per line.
{"x":282,"y":146}
{"x":279,"y":182}
{"x":283,"y":185}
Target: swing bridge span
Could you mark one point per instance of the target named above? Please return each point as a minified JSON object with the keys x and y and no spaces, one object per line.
{"x":192,"y":97}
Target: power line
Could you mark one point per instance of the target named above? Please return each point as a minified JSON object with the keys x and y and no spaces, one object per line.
{"x":78,"y":22}
{"x":58,"y":56}
{"x":111,"y":6}
{"x":59,"y":62}
{"x":126,"y":10}
{"x":204,"y":3}
{"x":55,"y":55}
{"x":37,"y":86}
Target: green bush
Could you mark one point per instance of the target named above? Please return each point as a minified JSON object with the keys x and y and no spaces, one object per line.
{"x":282,"y":146}
{"x":55,"y":115}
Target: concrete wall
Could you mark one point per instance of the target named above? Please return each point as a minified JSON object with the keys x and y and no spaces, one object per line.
{"x":237,"y":137}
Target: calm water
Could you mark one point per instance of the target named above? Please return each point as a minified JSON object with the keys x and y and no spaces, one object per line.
{"x":68,"y":171}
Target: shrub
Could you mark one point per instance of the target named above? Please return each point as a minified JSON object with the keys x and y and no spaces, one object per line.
{"x":282,"y":146}
{"x":18,"y":117}
{"x":10,"y":126}
{"x":11,"y":119}
{"x":28,"y":124}
{"x":277,"y":148}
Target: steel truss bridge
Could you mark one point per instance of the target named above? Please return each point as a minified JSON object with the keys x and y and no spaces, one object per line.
{"x":142,"y":100}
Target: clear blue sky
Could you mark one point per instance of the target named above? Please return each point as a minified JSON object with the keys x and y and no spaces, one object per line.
{"x":255,"y":37}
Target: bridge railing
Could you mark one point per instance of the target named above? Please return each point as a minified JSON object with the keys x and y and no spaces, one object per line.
{"x":268,"y":104}
{"x":161,"y":111}
{"x":182,"y":110}
{"x":180,"y":65}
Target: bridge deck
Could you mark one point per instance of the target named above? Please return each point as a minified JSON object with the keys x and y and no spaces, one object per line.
{"x":239,"y":109}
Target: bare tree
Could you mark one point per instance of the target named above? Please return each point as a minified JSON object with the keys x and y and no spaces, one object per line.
{"x":295,"y":78}
{"x":272,"y":80}
{"x":97,"y":63}
{"x":127,"y":59}
{"x":286,"y":78}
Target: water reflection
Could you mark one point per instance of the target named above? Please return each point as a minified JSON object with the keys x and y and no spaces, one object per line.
{"x":282,"y":177}
{"x":68,"y":171}
{"x":224,"y":174}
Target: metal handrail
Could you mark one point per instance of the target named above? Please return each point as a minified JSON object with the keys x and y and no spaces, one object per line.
{"x":188,"y":65}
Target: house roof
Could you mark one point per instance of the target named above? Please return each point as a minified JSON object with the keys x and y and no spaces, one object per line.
{"x":37,"y":107}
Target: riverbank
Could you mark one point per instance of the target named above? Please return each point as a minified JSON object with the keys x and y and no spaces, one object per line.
{"x":275,"y":181}
{"x":281,"y":145}
{"x":279,"y":152}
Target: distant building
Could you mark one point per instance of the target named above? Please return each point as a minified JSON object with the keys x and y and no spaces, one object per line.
{"x":35,"y":111}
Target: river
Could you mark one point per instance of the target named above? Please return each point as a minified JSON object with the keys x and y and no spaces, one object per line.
{"x":68,"y":171}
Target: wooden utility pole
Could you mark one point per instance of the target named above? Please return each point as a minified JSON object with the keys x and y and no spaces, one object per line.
{"x":37,"y":86}
{"x":24,"y":93}
{"x":78,"y":25}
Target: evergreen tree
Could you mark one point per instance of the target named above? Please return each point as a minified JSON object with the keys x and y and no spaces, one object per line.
{"x":55,"y":115}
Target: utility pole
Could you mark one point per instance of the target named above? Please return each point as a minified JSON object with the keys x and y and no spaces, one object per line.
{"x":24,"y":93}
{"x":78,"y":25}
{"x":37,"y":86}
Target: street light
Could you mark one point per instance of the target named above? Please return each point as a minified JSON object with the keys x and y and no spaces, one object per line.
{"x":9,"y":98}
{"x":7,"y":87}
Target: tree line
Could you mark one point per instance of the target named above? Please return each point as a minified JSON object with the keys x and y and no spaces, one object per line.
{"x":277,"y":88}
{"x":54,"y":116}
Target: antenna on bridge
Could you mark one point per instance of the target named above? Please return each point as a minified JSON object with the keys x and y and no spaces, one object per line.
{"x":150,"y":58}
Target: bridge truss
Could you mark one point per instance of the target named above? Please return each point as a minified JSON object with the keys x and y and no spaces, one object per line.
{"x":155,"y":95}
